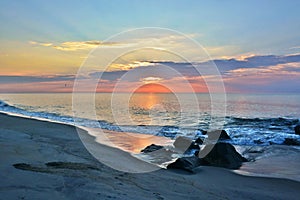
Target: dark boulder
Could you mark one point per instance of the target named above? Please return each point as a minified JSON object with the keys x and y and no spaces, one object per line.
{"x":185,"y":163}
{"x":218,"y":135}
{"x":297,"y":129}
{"x":223,"y":155}
{"x":291,"y":141}
{"x":151,"y":148}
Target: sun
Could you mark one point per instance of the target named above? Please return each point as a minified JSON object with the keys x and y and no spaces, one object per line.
{"x":153,"y":88}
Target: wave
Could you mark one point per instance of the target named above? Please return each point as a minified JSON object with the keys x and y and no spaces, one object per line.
{"x":280,"y":121}
{"x":243,"y":131}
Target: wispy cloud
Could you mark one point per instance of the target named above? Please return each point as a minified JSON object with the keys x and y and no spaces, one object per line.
{"x":129,"y":66}
{"x":75,"y":45}
{"x":151,"y":79}
{"x":40,"y":43}
{"x":291,"y":69}
{"x":296,"y":47}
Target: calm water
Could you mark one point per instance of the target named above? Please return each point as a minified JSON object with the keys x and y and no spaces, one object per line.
{"x":249,"y":119}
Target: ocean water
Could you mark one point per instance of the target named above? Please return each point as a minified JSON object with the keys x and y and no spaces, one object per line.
{"x":249,"y":119}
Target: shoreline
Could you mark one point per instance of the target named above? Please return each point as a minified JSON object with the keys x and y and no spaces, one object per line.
{"x":59,"y":166}
{"x":117,"y":140}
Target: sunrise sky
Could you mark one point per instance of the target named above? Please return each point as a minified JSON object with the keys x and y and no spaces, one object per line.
{"x":254,"y":44}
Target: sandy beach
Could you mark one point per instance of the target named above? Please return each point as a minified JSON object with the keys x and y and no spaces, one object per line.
{"x":44,"y":160}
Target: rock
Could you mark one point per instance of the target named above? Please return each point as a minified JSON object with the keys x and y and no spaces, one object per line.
{"x":224,"y":155}
{"x":291,"y":141}
{"x":199,"y":141}
{"x":297,"y":129}
{"x":151,"y":148}
{"x":186,"y":145}
{"x":182,"y":143}
{"x":218,"y":135}
{"x":185,"y":163}
{"x":194,"y":146}
{"x":193,"y":149}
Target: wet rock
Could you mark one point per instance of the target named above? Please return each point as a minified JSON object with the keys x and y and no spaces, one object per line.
{"x":223,"y":155}
{"x":297,"y":129}
{"x":193,"y":149}
{"x":218,"y":135}
{"x":186,"y":163}
{"x":291,"y":141}
{"x":151,"y":148}
{"x":194,"y":146}
{"x":199,"y":141}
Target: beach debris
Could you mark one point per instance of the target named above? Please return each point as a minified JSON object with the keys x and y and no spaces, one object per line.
{"x":297,"y":129}
{"x":185,"y":163}
{"x":291,"y":141}
{"x":151,"y":148}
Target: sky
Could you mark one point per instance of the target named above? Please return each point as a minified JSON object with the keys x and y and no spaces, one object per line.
{"x":255,"y":45}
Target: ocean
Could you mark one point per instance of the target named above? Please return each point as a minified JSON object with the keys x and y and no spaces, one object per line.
{"x":250,"y":119}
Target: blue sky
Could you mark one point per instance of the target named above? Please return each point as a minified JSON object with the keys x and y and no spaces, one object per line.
{"x":254,"y":26}
{"x":38,"y":38}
